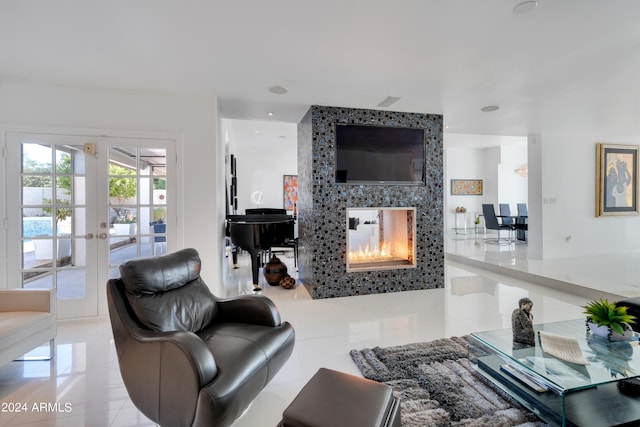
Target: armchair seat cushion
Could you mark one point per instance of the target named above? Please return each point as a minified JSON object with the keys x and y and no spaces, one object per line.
{"x":247,"y":357}
{"x":244,"y":350}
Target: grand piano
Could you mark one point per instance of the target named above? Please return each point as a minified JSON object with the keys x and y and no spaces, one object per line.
{"x":258,"y":231}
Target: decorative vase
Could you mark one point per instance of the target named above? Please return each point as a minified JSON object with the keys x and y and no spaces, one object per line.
{"x":288,"y":282}
{"x":274,"y":271}
{"x":603,"y":331}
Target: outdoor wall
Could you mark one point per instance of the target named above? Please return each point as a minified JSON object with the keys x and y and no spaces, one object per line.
{"x":27,"y":106}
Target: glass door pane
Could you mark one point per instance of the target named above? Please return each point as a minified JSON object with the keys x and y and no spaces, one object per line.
{"x":51,"y":207}
{"x":75,"y":217}
{"x":137,"y":203}
{"x":137,"y":194}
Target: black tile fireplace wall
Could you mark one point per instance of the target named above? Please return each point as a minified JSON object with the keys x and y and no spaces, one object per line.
{"x":322,"y":207}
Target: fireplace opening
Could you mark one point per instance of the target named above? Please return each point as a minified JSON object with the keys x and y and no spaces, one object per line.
{"x":380,"y":238}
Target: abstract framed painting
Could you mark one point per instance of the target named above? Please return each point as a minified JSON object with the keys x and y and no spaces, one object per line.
{"x":290,"y":191}
{"x":616,"y":179}
{"x":466,"y":187}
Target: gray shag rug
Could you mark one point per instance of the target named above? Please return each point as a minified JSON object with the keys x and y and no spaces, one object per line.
{"x":437,"y":386}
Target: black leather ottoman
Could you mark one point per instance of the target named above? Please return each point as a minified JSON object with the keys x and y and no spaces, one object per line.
{"x":634,"y":310}
{"x":336,"y":399}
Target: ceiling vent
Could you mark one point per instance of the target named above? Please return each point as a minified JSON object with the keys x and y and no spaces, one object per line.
{"x":389,"y":101}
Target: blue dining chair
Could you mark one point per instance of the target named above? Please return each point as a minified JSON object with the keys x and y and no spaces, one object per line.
{"x":505,"y":211}
{"x":491,"y":222}
{"x":159,"y":238}
{"x":522,"y":223}
{"x":522,"y":210}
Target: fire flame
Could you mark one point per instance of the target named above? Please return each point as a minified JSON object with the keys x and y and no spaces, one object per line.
{"x":383,"y":253}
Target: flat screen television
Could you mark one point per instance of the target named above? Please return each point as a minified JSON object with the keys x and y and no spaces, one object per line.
{"x":379,"y":155}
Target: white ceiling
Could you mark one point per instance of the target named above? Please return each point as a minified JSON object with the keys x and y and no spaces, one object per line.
{"x":565,"y":64}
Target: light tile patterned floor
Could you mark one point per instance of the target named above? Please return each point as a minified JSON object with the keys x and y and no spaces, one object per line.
{"x":83,"y":387}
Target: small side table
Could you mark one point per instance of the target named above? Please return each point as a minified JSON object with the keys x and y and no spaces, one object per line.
{"x":461,"y":222}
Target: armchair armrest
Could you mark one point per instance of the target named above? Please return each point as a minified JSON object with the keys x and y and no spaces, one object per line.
{"x":254,"y":309}
{"x":179,"y":352}
{"x":43,"y":300}
{"x":153,"y":362}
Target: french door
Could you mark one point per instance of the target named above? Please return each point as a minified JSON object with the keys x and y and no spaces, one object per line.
{"x":81,"y":205}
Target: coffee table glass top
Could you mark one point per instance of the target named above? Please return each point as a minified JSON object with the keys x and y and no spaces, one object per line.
{"x":608,"y":361}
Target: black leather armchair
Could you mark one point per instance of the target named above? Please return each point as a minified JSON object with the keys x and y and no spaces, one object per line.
{"x":188,"y":358}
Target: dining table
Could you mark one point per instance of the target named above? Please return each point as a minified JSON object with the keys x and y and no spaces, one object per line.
{"x":521,"y":233}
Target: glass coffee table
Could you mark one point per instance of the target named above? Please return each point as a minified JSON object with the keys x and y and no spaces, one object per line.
{"x":559,"y":392}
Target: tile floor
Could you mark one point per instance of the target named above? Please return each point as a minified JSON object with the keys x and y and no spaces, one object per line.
{"x":83,"y":387}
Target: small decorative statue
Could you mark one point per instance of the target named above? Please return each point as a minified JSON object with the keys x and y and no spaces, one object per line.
{"x":522,"y":323}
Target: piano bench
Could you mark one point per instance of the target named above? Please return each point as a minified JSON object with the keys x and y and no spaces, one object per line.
{"x":288,"y":244}
{"x":336,"y":399}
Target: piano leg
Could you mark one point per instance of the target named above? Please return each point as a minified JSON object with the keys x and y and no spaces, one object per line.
{"x":255,"y":268}
{"x":234,"y":256}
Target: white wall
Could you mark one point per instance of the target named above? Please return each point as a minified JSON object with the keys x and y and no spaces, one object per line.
{"x":513,"y":188}
{"x":261,"y":169}
{"x":463,"y":163}
{"x":568,"y":199}
{"x":560,"y":192}
{"x":195,"y":118}
{"x":494,"y":162}
{"x":536,"y":226}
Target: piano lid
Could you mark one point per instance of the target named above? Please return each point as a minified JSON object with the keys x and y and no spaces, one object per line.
{"x":260,"y":218}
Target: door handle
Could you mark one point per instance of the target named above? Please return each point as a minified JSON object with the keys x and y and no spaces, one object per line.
{"x":88,"y":236}
{"x":102,"y":236}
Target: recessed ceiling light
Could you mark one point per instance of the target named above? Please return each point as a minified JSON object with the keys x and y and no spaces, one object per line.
{"x":524,"y":7}
{"x":270,"y":114}
{"x":278,"y":90}
{"x":489,"y":108}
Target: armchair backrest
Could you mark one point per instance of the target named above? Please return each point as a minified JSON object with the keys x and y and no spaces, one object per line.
{"x":166,"y":293}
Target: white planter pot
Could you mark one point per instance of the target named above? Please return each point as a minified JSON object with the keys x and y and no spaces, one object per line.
{"x":44,"y":248}
{"x":124,"y":229}
{"x":603,"y":331}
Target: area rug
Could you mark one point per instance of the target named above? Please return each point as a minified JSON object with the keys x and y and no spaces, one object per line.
{"x":438,"y":387}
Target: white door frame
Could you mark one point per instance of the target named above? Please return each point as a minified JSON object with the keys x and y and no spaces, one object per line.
{"x":8,"y":229}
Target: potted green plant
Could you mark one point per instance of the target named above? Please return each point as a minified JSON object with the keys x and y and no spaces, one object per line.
{"x":122,"y":187}
{"x":607,"y":319}
{"x":44,"y":248}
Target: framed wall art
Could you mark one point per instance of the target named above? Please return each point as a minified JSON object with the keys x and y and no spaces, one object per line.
{"x":616,"y":179}
{"x":466,"y":187}
{"x":290,"y":191}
